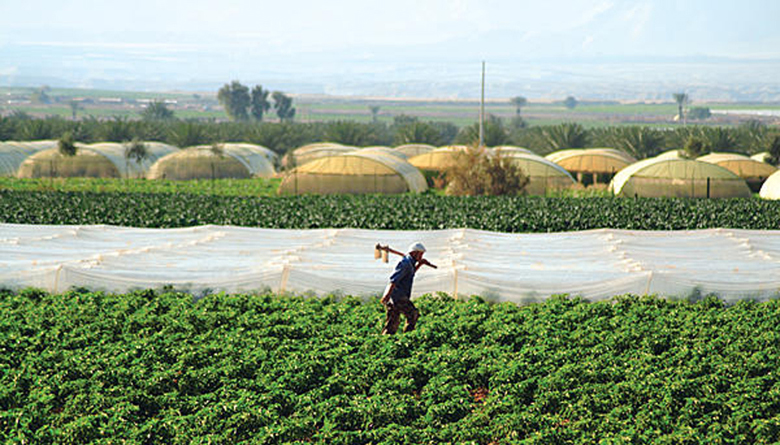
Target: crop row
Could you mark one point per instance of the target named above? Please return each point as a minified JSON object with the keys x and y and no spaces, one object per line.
{"x":158,"y":367}
{"x":222,"y":187}
{"x":406,"y":212}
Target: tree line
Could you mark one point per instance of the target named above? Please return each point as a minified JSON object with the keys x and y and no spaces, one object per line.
{"x":240,"y":103}
{"x":639,"y":141}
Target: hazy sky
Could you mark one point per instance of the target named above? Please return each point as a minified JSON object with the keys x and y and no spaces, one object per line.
{"x":609,"y":27}
{"x":335,"y":46}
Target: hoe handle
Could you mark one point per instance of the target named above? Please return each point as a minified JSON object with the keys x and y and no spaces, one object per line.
{"x":380,"y":247}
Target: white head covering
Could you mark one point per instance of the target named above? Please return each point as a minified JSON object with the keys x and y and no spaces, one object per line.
{"x":416,"y":247}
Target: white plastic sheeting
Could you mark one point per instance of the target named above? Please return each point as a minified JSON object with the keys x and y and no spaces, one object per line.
{"x":596,"y":264}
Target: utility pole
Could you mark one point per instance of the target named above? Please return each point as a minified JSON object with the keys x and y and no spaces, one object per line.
{"x":482,"y":110}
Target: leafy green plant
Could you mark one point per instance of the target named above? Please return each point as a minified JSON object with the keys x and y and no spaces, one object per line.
{"x":183,"y":208}
{"x":66,"y":145}
{"x":164,"y":367}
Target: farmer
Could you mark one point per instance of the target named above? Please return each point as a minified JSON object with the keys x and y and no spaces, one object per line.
{"x":397,"y":298}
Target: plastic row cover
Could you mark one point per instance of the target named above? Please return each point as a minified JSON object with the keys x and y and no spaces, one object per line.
{"x":597,"y":264}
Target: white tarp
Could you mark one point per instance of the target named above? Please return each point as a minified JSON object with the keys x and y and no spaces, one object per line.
{"x":595,"y":264}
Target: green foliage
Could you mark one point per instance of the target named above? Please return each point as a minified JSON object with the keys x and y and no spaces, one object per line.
{"x":188,"y":134}
{"x":161,"y":367}
{"x":7,"y":128}
{"x":682,"y":100}
{"x":36,"y":129}
{"x":410,"y":130}
{"x":501,"y":214}
{"x":116,"y":130}
{"x":699,"y":113}
{"x":356,"y":134}
{"x":478,"y":172}
{"x":66,"y":145}
{"x":220,"y":187}
{"x":774,"y":151}
{"x":751,"y":137}
{"x":260,"y":103}
{"x":283,"y":106}
{"x":157,"y":111}
{"x":695,"y":147}
{"x":41,"y":96}
{"x":285,"y":136}
{"x":235,"y":98}
{"x":417,"y":132}
{"x":519,"y":102}
{"x":136,"y":151}
{"x":374,"y":109}
{"x":720,"y":139}
{"x":639,"y":142}
{"x":566,"y":135}
{"x":74,"y":108}
{"x":570,"y":102}
{"x":494,"y":133}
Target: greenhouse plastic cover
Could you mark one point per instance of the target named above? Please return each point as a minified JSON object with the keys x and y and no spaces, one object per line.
{"x":596,"y":160}
{"x":362,"y":171}
{"x":659,"y":177}
{"x":595,"y":264}
{"x":771,"y":187}
{"x":740,"y":165}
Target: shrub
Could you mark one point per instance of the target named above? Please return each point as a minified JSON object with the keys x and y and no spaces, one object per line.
{"x":478,"y":172}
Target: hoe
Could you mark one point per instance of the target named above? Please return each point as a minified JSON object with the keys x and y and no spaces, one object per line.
{"x":382,"y":251}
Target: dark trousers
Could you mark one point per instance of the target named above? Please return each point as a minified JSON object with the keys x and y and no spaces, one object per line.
{"x":394,"y":311}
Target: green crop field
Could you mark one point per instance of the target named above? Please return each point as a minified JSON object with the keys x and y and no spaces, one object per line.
{"x":160,"y":368}
{"x":400,"y":212}
{"x":221,"y":187}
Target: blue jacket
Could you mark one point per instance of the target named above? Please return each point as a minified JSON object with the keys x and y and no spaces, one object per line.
{"x":403,"y":277}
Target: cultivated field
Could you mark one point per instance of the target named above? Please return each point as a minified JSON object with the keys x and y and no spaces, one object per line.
{"x":102,"y":104}
{"x":399,"y":212}
{"x":157,"y":368}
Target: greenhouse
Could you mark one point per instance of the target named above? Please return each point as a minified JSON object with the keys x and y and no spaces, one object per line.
{"x":412,"y":150}
{"x":761,"y":157}
{"x":598,"y":164}
{"x":312,"y":152}
{"x":355,"y":173}
{"x":511,"y":149}
{"x":627,"y":157}
{"x":38,"y":145}
{"x":681,"y":178}
{"x":13,"y":154}
{"x":671,"y":154}
{"x":439,"y":159}
{"x":101,"y":160}
{"x":771,"y":187}
{"x":267,"y":152}
{"x":387,"y":151}
{"x":213,"y":162}
{"x":752,"y":171}
{"x":543,"y":175}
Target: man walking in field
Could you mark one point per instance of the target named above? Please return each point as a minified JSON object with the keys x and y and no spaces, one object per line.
{"x":397,"y":298}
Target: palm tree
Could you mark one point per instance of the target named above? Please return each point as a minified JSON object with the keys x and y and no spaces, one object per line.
{"x":681,"y":99}
{"x":374,"y":112}
{"x":74,"y":108}
{"x":566,"y":135}
{"x":519,"y":102}
{"x":494,"y":133}
{"x":639,"y":142}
